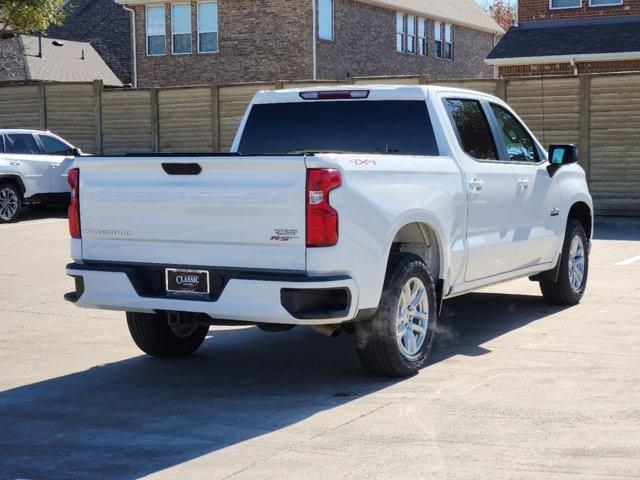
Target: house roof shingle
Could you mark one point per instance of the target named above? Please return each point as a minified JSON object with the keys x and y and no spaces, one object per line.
{"x":61,"y":61}
{"x":599,"y":37}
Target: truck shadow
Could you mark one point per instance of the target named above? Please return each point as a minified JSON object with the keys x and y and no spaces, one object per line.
{"x":138,"y":416}
{"x":50,"y":211}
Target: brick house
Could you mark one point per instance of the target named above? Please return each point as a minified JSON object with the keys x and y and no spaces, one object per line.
{"x":228,"y":41}
{"x":570,"y":37}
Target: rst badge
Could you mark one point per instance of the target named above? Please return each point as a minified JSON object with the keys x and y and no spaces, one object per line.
{"x":285,"y":235}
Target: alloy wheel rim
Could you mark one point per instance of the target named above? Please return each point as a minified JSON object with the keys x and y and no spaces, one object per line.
{"x":412,"y":319}
{"x":8,"y":203}
{"x":576,"y":263}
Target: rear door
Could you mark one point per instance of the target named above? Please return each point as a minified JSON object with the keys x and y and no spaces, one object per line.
{"x":215,"y":211}
{"x":491,"y":190}
{"x":23,"y":152}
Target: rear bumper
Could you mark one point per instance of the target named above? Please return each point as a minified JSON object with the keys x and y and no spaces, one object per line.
{"x":257,"y":297}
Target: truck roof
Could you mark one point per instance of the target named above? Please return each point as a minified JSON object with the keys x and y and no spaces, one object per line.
{"x":376,"y":92}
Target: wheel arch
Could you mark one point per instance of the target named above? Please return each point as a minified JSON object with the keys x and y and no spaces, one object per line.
{"x":15,"y":180}
{"x":582,"y":212}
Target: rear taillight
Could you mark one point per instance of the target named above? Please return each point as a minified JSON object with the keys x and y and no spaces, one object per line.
{"x":74,"y":206}
{"x":322,"y":218}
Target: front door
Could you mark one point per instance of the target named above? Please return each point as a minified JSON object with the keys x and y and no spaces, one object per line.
{"x":23,"y":152}
{"x":491,"y":192}
{"x":539,"y":226}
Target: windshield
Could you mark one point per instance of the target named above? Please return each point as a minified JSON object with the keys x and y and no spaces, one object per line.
{"x":382,"y":127}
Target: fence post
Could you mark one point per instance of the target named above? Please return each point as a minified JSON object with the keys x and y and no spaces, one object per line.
{"x":501,"y":89}
{"x":155,"y":121}
{"x":97,"y":112}
{"x":584,"y":134}
{"x":215,"y":118}
{"x":42,"y":107}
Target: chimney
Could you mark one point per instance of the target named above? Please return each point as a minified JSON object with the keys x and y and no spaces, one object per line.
{"x":40,"y":45}
{"x":82,"y":54}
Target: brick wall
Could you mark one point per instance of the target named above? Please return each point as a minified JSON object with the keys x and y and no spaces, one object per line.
{"x":365,"y":45}
{"x":567,"y":69}
{"x":529,"y":10}
{"x":250,"y":48}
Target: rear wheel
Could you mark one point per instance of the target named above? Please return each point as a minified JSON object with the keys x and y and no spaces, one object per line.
{"x":571,"y":283}
{"x":154,"y":336}
{"x":10,"y":202}
{"x":397,"y":340}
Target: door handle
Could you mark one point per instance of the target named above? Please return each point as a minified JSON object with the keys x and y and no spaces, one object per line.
{"x":15,"y":164}
{"x":476,"y":184}
{"x":524,"y":183}
{"x":55,"y":165}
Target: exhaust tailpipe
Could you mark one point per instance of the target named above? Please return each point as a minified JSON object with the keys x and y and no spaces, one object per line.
{"x":331,"y":331}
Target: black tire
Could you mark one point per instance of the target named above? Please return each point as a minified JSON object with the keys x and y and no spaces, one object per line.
{"x":9,"y":193}
{"x":560,"y":291}
{"x":154,"y":336}
{"x":377,"y":339}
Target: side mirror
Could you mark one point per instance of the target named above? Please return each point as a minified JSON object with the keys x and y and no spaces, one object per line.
{"x":74,"y":152}
{"x":563,"y":154}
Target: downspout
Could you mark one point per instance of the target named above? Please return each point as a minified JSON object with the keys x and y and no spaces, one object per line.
{"x":134,"y":76}
{"x":315,"y":50}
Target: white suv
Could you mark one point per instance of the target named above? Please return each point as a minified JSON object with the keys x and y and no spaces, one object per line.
{"x":33,"y":170}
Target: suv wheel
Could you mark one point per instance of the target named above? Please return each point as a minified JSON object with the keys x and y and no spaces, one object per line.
{"x":10,"y":203}
{"x":571,"y":283}
{"x":154,"y":336}
{"x":397,"y":340}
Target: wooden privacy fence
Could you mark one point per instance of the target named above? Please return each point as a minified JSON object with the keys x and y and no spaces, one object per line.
{"x":599,"y":113}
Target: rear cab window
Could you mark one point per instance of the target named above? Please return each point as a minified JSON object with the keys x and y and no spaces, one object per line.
{"x":360,"y":126}
{"x":1,"y":143}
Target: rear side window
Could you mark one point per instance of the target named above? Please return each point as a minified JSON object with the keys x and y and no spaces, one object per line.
{"x":384,"y":127}
{"x":53,"y":146}
{"x":23,"y":143}
{"x":473,"y":129}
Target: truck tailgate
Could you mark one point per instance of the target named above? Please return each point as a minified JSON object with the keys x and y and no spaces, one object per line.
{"x":238,"y":212}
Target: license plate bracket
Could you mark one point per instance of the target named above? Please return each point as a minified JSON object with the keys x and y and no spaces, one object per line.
{"x":187,"y":282}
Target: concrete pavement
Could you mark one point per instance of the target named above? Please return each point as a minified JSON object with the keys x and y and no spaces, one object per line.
{"x":515,"y":389}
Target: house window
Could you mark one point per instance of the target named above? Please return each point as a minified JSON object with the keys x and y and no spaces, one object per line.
{"x":411,"y":34}
{"x":438,"y":39}
{"x":400,"y":31}
{"x":448,"y":41}
{"x":181,"y":27}
{"x":207,"y":27}
{"x":565,"y":4}
{"x":603,"y":3}
{"x":325,"y":19}
{"x":155,"y":30}
{"x":422,"y":37}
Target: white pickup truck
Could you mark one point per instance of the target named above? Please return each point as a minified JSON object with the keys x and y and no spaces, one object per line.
{"x":358,"y":208}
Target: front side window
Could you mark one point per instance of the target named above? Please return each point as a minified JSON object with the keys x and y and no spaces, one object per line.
{"x":207,"y":27}
{"x":437,"y":35}
{"x":364,"y":126}
{"x":566,"y":3}
{"x":22,"y":143}
{"x":53,"y":146}
{"x":519,"y":144}
{"x":473,"y":129}
{"x":422,"y":37}
{"x":325,"y":19}
{"x":448,"y":41}
{"x":411,"y":34}
{"x":155,"y":30}
{"x":400,"y":31}
{"x":181,"y":28}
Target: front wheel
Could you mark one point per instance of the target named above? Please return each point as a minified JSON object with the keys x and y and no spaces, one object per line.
{"x":10,"y":203}
{"x":154,"y":336}
{"x":397,"y":340}
{"x":571,"y":283}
